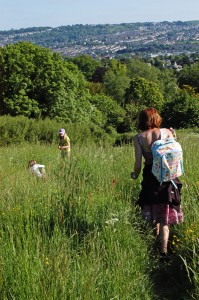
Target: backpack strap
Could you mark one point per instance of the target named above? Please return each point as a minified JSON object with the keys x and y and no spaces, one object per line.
{"x":163,"y":133}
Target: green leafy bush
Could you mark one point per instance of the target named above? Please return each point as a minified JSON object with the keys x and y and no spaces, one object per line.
{"x":16,"y":130}
{"x":183,"y":111}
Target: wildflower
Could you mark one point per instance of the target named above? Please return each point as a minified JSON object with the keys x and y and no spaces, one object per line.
{"x":90,"y":197}
{"x":60,"y":215}
{"x":46,"y":262}
{"x":193,"y":225}
{"x":113,"y":181}
{"x":16,"y":209}
{"x":189,"y":231}
{"x":113,"y":215}
{"x":113,"y":184}
{"x":112,"y":221}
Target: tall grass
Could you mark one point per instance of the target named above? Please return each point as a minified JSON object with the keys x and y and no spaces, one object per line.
{"x":186,"y":240}
{"x":78,"y":233}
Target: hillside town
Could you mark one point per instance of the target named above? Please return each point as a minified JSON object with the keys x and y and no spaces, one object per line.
{"x":145,"y":39}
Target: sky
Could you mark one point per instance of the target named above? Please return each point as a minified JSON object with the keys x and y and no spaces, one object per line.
{"x":16,"y":14}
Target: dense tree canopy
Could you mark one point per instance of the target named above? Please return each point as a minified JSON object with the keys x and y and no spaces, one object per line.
{"x":37,"y":83}
{"x":144,"y":93}
{"x":86,"y":64}
{"x":190,"y":76}
{"x":136,"y":68}
{"x":116,"y":81}
{"x":183,"y":112}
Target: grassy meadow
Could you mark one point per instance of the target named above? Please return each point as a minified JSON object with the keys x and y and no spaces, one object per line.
{"x":78,"y":233}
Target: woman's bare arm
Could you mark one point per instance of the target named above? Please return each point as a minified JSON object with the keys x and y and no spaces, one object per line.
{"x":138,"y":159}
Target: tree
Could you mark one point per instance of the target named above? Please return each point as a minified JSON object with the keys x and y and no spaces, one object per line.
{"x":167,"y":84}
{"x":141,"y":93}
{"x":136,"y":68}
{"x":116,"y":81}
{"x":35,"y":82}
{"x":99,"y":74}
{"x":87,"y":65}
{"x":111,"y":114}
{"x":183,"y":111}
{"x":190,"y":76}
{"x":15,"y":82}
{"x":144,"y":93}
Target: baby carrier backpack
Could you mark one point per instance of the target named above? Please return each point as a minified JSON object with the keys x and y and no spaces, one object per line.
{"x":167,"y":158}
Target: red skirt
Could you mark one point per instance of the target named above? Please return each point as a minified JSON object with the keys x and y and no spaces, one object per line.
{"x":162,"y":213}
{"x":160,"y":203}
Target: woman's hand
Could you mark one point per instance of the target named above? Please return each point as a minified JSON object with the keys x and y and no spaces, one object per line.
{"x":133,"y":176}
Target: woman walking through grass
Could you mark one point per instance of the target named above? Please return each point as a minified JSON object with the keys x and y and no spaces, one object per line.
{"x":160,"y":203}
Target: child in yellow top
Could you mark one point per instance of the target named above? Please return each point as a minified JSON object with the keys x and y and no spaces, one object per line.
{"x":64,"y":143}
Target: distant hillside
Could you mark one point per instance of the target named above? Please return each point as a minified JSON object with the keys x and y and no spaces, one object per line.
{"x":112,"y":39}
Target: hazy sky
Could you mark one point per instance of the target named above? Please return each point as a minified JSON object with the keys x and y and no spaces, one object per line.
{"x":29,"y":13}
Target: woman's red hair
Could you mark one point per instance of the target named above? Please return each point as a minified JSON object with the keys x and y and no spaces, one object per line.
{"x":149,"y":118}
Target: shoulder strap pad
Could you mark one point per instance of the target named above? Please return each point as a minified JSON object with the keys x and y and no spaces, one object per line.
{"x":163,"y":133}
